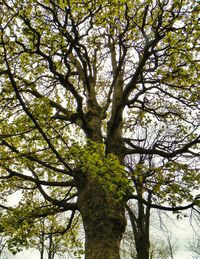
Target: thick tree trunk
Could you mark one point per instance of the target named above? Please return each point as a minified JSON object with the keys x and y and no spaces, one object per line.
{"x":102,"y":245}
{"x":103,"y":219}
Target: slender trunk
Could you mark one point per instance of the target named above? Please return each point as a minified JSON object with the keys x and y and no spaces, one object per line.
{"x":142,"y":238}
{"x":140,"y":227}
{"x":50,"y":248}
{"x":42,"y":245}
{"x":42,"y":254}
{"x":104,"y":221}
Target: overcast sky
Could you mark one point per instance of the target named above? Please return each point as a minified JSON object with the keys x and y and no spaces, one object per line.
{"x":181,"y":230}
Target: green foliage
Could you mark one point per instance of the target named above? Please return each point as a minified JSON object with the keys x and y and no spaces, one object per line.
{"x":103,"y":168}
{"x":108,"y":89}
{"x":30,"y":226}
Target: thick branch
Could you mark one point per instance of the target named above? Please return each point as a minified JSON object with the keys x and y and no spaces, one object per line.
{"x":59,"y":203}
{"x":13,"y":173}
{"x":153,"y":151}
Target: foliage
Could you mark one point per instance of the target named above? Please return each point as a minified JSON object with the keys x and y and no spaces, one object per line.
{"x":105,"y":169}
{"x":99,"y":98}
{"x":47,"y":232}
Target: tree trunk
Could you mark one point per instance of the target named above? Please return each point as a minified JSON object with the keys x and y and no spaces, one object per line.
{"x":142,"y":238}
{"x":50,"y":249}
{"x":103,"y":219}
{"x":42,"y":245}
{"x":140,"y":227}
{"x":142,"y":247}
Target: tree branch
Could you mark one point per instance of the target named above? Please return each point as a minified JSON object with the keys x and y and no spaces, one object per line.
{"x":160,"y":207}
{"x":13,"y":173}
{"x":153,"y":151}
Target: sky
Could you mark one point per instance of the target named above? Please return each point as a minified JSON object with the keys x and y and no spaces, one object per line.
{"x":181,"y":233}
{"x":181,"y":230}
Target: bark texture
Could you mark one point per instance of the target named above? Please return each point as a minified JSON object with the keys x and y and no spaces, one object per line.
{"x":104,"y":221}
{"x":140,"y":227}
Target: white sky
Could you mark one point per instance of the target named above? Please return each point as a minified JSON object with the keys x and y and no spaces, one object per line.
{"x":181,"y":230}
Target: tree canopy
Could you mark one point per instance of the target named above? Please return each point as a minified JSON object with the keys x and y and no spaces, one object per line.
{"x":99,"y":106}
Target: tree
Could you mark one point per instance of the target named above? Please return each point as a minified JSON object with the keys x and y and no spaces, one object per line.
{"x":159,"y":249}
{"x":79,"y":81}
{"x":194,"y":247}
{"x":51,"y":233}
{"x":172,"y":247}
{"x":194,"y":244}
{"x":4,"y":253}
{"x":156,"y":183}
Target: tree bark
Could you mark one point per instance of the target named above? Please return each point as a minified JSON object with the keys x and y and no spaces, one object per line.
{"x":102,"y":212}
{"x":140,"y":227}
{"x":142,"y":247}
{"x":103,"y":219}
{"x":42,"y":245}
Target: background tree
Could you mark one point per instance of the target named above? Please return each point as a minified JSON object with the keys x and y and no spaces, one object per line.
{"x":78,"y":80}
{"x":159,"y":248}
{"x":158,"y":185}
{"x":51,"y":233}
{"x":194,"y":244}
{"x":4,"y":251}
{"x":171,"y":243}
{"x":194,"y":247}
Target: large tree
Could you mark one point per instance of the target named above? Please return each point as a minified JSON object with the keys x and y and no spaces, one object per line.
{"x":80,"y":81}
